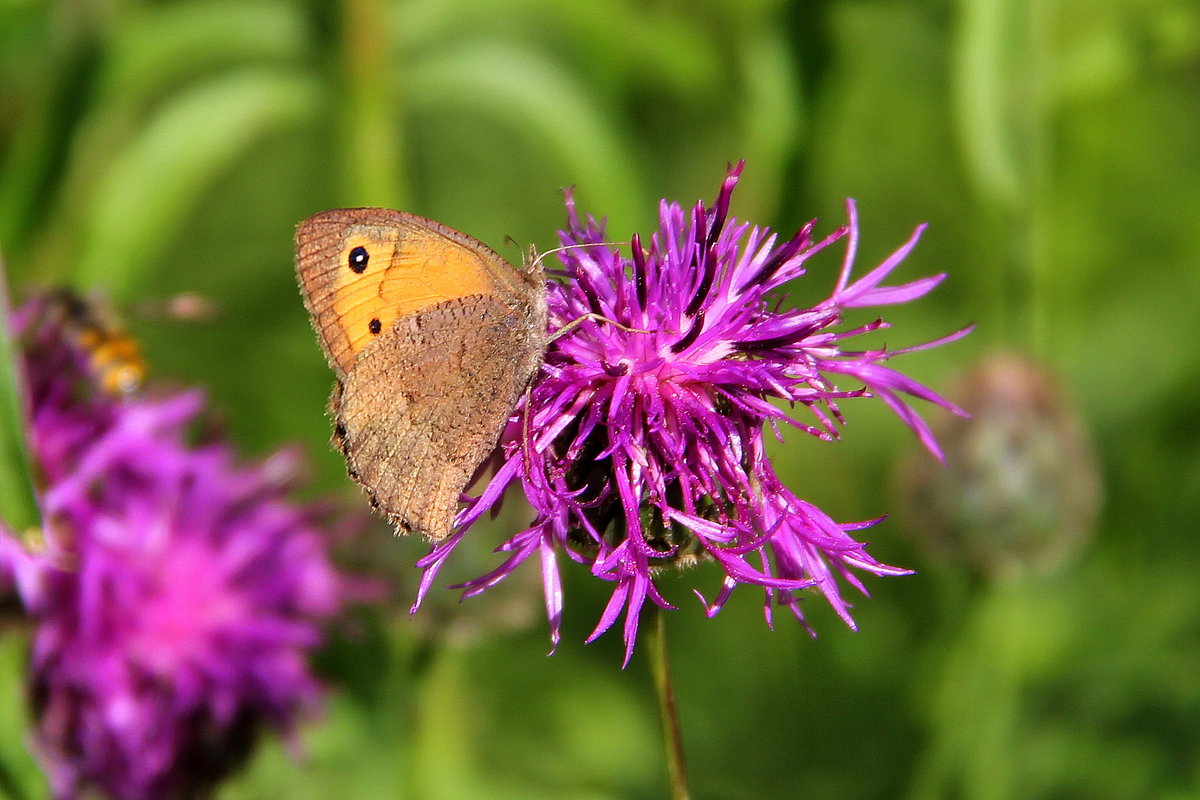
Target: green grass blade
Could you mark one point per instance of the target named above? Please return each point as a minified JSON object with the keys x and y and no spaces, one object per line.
{"x":18,"y":505}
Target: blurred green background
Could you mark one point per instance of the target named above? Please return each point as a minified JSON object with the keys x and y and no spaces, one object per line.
{"x":148,"y":149}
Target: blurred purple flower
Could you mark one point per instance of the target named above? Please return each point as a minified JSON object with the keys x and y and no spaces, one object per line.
{"x":179,"y":593}
{"x":646,"y":443}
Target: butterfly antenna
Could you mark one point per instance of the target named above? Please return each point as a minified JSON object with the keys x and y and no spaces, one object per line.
{"x":537,"y":257}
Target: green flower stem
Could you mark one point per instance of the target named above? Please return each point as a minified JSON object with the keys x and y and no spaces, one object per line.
{"x":1045,"y":286}
{"x":672,"y":735}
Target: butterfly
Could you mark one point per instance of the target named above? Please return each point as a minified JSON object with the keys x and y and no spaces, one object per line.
{"x":433,"y":338}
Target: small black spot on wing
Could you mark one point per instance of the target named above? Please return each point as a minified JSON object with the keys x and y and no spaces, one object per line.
{"x":374,"y":325}
{"x":359,"y":258}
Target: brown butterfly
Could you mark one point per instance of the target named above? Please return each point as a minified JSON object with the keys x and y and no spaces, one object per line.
{"x":433,"y":337}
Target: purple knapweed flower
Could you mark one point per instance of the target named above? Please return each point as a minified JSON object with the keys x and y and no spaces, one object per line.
{"x":179,"y":593}
{"x":641,"y":442}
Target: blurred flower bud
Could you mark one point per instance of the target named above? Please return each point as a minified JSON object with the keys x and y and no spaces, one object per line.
{"x":1021,"y":486}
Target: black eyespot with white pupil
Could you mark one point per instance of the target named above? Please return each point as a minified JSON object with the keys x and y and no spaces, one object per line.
{"x":358,"y":259}
{"x":374,"y":325}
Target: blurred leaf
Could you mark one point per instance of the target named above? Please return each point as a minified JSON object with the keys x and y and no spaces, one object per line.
{"x":619,"y":44}
{"x":18,"y":506}
{"x":535,"y":96}
{"x":996,"y":89}
{"x":43,"y":103}
{"x":162,"y":45}
{"x":153,"y":186}
{"x":20,"y":778}
{"x":158,"y":51}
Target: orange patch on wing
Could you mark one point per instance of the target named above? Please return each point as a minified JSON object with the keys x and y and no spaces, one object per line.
{"x":405,"y":272}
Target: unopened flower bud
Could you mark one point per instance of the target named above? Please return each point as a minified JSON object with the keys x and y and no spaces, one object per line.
{"x":1021,"y":486}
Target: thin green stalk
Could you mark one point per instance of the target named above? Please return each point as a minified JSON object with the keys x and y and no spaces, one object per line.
{"x":1044,"y":282}
{"x":668,"y":715}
